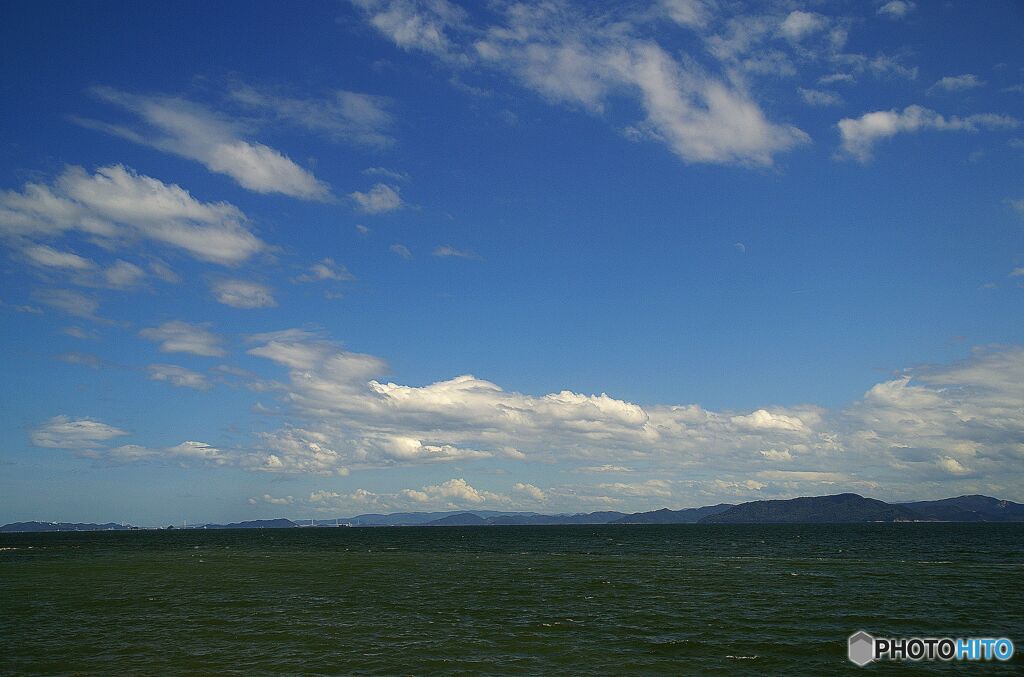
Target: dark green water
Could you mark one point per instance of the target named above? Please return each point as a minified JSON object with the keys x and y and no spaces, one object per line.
{"x":680,"y":599}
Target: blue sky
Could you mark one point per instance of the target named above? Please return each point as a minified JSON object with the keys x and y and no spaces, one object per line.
{"x":261,"y":260}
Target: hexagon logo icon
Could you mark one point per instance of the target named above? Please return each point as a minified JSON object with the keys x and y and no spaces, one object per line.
{"x":861,"y":648}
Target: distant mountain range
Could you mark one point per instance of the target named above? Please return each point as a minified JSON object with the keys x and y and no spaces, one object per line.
{"x":834,"y":509}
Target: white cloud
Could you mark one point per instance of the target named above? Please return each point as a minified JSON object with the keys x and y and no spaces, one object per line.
{"x":803,"y":476}
{"x":179,"y":377}
{"x":798,"y":25}
{"x":529,"y":490}
{"x":419,"y":26}
{"x":48,"y":257}
{"x":351,"y":117}
{"x":583,"y":60}
{"x":326,"y":269}
{"x":453,"y":494}
{"x":689,"y":13}
{"x":119,"y":275}
{"x":648,"y":489}
{"x":762,"y":419}
{"x":400,"y":250}
{"x":187,"y":129}
{"x":927,"y":430}
{"x":956,"y":83}
{"x":80,"y":333}
{"x":21,"y":308}
{"x":605,"y":468}
{"x":83,"y":359}
{"x":68,"y":301}
{"x":363,"y":421}
{"x":162,"y":271}
{"x":62,"y":432}
{"x":386,"y":173}
{"x":953,"y":466}
{"x":243,"y":294}
{"x":817,"y":97}
{"x":859,"y":135}
{"x":116,"y":205}
{"x":353,"y":420}
{"x":896,"y":9}
{"x":834,"y":78}
{"x":448,"y":251}
{"x":380,"y":199}
{"x":181,"y":337}
{"x":182,"y":453}
{"x":122,"y":275}
{"x":272,"y":500}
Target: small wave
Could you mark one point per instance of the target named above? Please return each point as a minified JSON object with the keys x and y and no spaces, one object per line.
{"x":742,"y":658}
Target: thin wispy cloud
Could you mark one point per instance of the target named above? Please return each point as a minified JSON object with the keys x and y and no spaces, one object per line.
{"x":183,"y":337}
{"x":343,"y":116}
{"x":188,"y":129}
{"x":116,"y":205}
{"x":448,"y":251}
{"x":245,"y":294}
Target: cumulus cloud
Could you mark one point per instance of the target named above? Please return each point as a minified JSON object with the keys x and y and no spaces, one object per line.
{"x":179,"y":377}
{"x":181,"y":337}
{"x":115,"y":205}
{"x":363,"y":421}
{"x":62,"y":432}
{"x":529,"y":491}
{"x":929,"y":430}
{"x":380,"y":199}
{"x":351,"y":117}
{"x":584,"y":61}
{"x":184,"y":128}
{"x":453,"y":494}
{"x":243,"y":294}
{"x":354,"y":419}
{"x":859,"y":135}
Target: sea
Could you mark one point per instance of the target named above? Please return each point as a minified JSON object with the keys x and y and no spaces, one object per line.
{"x":630,"y":599}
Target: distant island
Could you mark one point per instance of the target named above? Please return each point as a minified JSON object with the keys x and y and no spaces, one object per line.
{"x":834,"y":509}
